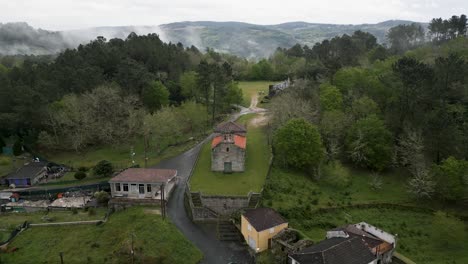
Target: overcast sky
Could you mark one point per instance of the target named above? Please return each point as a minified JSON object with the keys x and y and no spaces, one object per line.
{"x":74,"y":14}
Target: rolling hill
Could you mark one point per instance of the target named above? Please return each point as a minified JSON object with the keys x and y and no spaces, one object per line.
{"x":242,"y":39}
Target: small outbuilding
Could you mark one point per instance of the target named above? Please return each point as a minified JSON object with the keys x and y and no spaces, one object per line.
{"x":29,"y":174}
{"x":259,"y":226}
{"x":142,"y":185}
{"x":228,"y":148}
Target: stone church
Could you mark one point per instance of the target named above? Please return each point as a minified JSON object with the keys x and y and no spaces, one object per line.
{"x":228,"y":148}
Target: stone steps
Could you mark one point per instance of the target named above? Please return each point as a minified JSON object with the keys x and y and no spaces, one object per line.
{"x":227,"y":231}
{"x":196,"y":199}
{"x":254,"y":200}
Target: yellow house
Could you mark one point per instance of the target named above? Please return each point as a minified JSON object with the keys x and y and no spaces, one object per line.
{"x":260,"y":225}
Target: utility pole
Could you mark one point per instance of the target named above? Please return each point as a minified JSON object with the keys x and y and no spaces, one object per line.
{"x":132,"y":155}
{"x":163,"y":203}
{"x":146,"y":150}
{"x":132,"y":252}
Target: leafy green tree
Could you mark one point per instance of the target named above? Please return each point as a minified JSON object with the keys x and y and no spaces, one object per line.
{"x":155,"y":96}
{"x":298,"y":144}
{"x":378,"y":53}
{"x":405,"y":37}
{"x":447,"y":231}
{"x":330,"y":98}
{"x":188,"y":84}
{"x":79,"y":175}
{"x":450,"y":176}
{"x":103,"y":169}
{"x":102,"y":197}
{"x":369,"y":143}
{"x":2,"y":143}
{"x":333,"y":125}
{"x":18,"y":147}
{"x":262,"y":71}
{"x":364,"y":107}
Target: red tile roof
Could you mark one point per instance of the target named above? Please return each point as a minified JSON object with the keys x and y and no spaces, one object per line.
{"x":216,"y":141}
{"x":240,"y":141}
{"x":141,"y":175}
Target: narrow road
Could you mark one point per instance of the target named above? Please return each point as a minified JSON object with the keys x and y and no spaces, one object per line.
{"x":203,"y":235}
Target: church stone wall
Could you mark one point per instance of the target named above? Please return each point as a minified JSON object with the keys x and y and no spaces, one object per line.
{"x":227,"y":152}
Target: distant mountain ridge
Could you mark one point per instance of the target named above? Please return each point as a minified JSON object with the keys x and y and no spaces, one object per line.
{"x":238,"y":38}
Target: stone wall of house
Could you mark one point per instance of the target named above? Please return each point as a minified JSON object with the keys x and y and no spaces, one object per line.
{"x":227,"y":152}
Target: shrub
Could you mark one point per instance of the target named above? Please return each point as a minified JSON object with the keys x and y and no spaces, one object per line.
{"x":103,"y":169}
{"x":74,"y":211}
{"x":91,"y":211}
{"x":2,"y":143}
{"x":336,"y":175}
{"x":102,"y":197}
{"x":79,"y":175}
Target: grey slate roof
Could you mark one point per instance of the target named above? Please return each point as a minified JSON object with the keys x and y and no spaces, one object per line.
{"x":336,"y":250}
{"x":351,"y":230}
{"x":263,"y":218}
{"x":30,"y":170}
{"x":230,"y":127}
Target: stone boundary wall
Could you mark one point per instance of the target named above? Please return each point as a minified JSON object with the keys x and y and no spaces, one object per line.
{"x":88,"y":222}
{"x":225,"y":205}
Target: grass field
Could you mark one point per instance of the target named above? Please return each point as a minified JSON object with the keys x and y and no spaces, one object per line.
{"x":9,"y":220}
{"x":298,"y":197}
{"x":69,"y":180}
{"x":294,"y":187}
{"x":252,"y":179}
{"x":250,"y":89}
{"x":155,"y":241}
{"x":118,"y":155}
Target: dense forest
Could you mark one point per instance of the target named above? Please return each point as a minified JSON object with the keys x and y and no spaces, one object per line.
{"x":110,"y":91}
{"x":405,"y":106}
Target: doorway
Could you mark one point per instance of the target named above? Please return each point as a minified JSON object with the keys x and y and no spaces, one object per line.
{"x":227,"y":167}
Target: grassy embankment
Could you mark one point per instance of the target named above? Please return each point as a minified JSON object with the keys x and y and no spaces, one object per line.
{"x":155,"y":241}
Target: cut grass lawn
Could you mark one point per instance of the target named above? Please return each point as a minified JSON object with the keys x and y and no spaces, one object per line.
{"x":297,"y":197}
{"x":155,"y":241}
{"x":252,"y":179}
{"x":249,"y":89}
{"x":69,"y":180}
{"x":9,"y":220}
